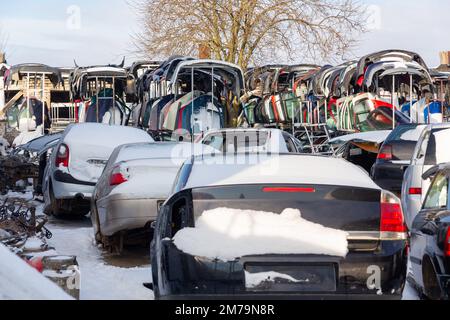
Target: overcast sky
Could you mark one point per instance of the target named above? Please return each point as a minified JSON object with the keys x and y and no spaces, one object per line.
{"x":55,"y":32}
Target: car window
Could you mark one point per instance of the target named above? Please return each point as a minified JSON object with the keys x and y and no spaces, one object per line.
{"x":289,"y":144}
{"x":423,"y":146}
{"x":438,"y":195}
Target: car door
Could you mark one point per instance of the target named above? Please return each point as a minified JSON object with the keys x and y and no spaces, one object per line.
{"x":290,"y":145}
{"x":412,"y":193}
{"x":437,"y":200}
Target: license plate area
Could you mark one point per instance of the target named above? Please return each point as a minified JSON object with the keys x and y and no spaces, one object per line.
{"x":298,"y":277}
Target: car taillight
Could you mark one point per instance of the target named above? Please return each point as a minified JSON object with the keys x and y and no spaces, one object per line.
{"x":118,"y":176}
{"x":288,"y":190}
{"x":447,"y":244}
{"x":385,"y":153}
{"x":62,"y":156}
{"x":415,"y":191}
{"x":392,"y":226}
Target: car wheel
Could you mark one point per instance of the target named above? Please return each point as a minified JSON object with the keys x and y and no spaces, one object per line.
{"x":56,"y":209}
{"x":96,"y":224}
{"x":432,"y":289}
{"x":155,"y":284}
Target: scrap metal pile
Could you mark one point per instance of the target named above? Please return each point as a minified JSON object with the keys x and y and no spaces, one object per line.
{"x":16,"y":168}
{"x":25,"y":234}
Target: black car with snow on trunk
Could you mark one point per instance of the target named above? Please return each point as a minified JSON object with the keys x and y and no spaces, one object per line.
{"x":287,"y":227}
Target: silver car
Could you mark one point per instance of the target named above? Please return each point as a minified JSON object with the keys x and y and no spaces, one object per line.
{"x":77,"y":162}
{"x":136,"y":181}
{"x":433,"y":148}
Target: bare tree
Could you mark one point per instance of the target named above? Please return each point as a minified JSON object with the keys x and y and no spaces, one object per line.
{"x":249,"y":31}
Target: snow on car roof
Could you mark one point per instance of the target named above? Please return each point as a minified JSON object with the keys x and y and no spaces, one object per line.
{"x":91,"y":133}
{"x":277,"y":169}
{"x":372,"y":136}
{"x":161,"y":150}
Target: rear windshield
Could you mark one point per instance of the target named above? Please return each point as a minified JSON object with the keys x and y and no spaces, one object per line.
{"x":236,"y":141}
{"x":343,"y":208}
{"x":406,"y":133}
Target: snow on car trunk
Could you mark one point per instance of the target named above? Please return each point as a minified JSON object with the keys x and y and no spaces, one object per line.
{"x":19,"y":281}
{"x":227,"y":234}
{"x":90,"y":146}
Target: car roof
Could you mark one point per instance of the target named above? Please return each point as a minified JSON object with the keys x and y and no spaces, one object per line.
{"x":242,"y":169}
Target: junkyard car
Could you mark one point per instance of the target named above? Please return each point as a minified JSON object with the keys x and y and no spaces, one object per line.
{"x":252,"y":140}
{"x":430,"y":239}
{"x":78,"y":161}
{"x":136,"y":181}
{"x":281,"y":227}
{"x":395,"y":157}
{"x":431,"y":149}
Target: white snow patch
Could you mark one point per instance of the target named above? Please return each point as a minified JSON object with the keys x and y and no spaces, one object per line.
{"x":275,"y":169}
{"x":98,"y":280}
{"x":19,"y":281}
{"x":253,"y":280}
{"x":92,"y":141}
{"x":34,"y":244}
{"x":27,"y":136}
{"x":227,"y":234}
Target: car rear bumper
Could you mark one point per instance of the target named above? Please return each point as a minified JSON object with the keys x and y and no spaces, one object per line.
{"x":376,"y":275}
{"x":65,"y":187}
{"x":122,"y":212}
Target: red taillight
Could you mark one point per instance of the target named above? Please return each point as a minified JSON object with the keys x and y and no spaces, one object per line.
{"x":385,"y":153}
{"x":289,"y":190}
{"x":415,"y":191}
{"x":62,"y":156}
{"x":118,"y":176}
{"x":447,"y":244}
{"x":392,"y":219}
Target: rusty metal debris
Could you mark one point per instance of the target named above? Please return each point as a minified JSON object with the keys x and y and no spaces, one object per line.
{"x":18,"y":220}
{"x":15,"y":168}
{"x":25,"y":234}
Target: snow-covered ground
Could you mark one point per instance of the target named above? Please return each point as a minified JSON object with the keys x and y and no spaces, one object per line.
{"x":103,"y":277}
{"x":106,"y":277}
{"x":99,"y":279}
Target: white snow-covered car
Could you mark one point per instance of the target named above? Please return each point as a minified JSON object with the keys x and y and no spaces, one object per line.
{"x":252,"y":141}
{"x":78,"y":161}
{"x":136,"y":181}
{"x":433,"y":148}
{"x":278,"y":226}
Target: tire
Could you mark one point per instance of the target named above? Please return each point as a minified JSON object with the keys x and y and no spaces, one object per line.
{"x":95,"y":221}
{"x":56,"y":209}
{"x":432,"y":290}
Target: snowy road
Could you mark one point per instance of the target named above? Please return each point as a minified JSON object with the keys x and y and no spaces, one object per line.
{"x":103,"y":277}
